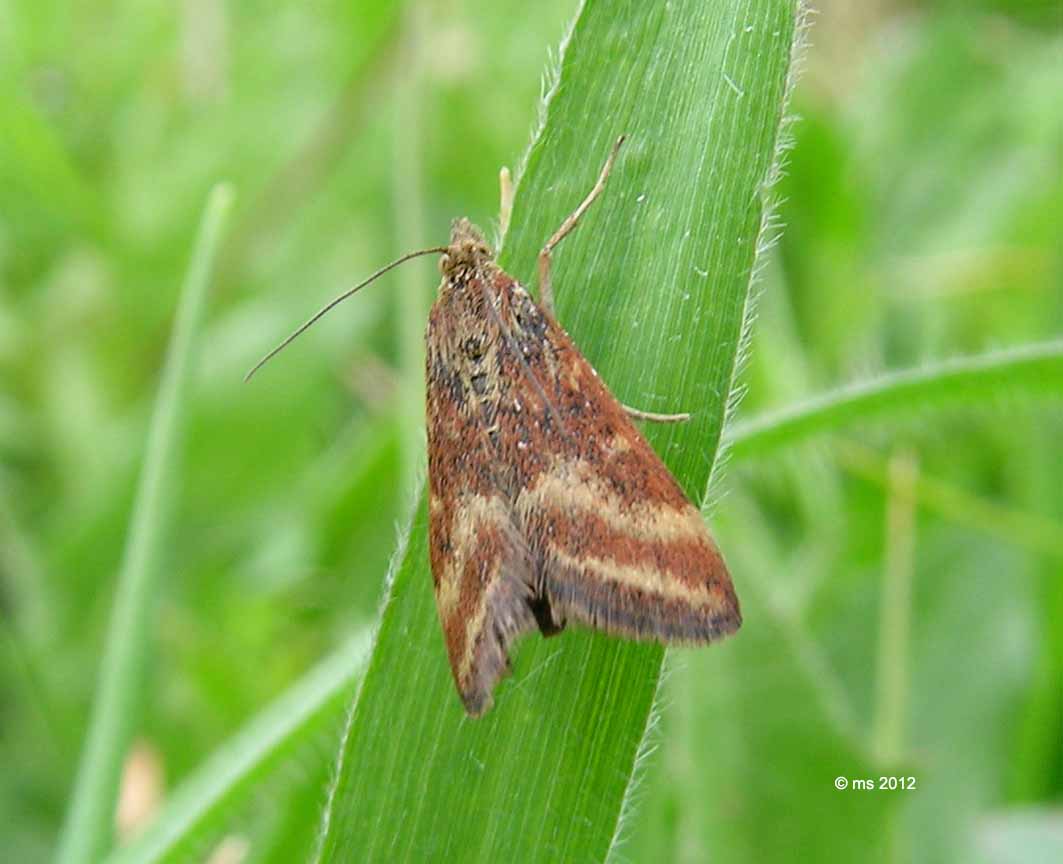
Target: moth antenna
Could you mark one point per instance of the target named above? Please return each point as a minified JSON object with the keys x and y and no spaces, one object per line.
{"x":435,"y":250}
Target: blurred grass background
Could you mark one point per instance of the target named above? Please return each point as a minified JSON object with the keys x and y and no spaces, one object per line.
{"x":901,"y":580}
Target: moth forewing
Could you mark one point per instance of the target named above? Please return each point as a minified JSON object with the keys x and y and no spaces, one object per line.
{"x":547,"y":505}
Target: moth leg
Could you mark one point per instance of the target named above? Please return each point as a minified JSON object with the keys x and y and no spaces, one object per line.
{"x":636,"y":414}
{"x":505,"y":207}
{"x":546,"y":293}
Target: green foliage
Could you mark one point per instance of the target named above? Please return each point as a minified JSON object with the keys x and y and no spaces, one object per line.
{"x":892,"y":510}
{"x":87,"y":832}
{"x":1035,"y":370}
{"x":230,"y":776}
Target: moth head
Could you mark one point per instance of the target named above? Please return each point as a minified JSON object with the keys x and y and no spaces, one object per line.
{"x":467,"y":250}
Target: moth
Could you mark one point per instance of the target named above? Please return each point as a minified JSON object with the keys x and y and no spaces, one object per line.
{"x":546,"y":503}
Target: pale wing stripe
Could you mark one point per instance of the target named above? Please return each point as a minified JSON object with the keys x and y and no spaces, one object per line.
{"x":574,"y":486}
{"x":647,"y":579}
{"x":476,"y":622}
{"x":470,"y":512}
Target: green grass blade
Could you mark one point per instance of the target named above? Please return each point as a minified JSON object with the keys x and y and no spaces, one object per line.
{"x":1032,"y":370}
{"x":89,"y":825}
{"x":1008,"y":524}
{"x":203,"y":802}
{"x":654,"y":287}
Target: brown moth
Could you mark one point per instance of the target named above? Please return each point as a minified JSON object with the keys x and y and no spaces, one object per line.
{"x":546,"y":504}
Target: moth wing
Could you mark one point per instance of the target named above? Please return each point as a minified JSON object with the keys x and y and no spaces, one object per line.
{"x":616,"y":543}
{"x":481,"y":567}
